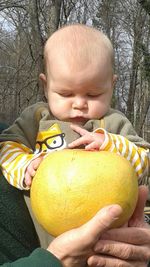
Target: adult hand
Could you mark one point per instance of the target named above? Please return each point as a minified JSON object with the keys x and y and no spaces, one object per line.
{"x":74,"y":247}
{"x":127,"y":246}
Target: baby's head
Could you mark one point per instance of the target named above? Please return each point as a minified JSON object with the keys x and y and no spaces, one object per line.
{"x":79,"y":75}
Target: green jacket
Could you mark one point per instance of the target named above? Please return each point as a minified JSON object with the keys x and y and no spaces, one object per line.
{"x":38,"y":258}
{"x":19,"y":243}
{"x":37,"y":118}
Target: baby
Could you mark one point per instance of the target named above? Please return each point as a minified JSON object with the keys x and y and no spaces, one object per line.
{"x":78,"y":85}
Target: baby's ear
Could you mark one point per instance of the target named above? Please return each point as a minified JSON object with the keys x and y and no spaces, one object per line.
{"x":42,"y":77}
{"x":115,"y":77}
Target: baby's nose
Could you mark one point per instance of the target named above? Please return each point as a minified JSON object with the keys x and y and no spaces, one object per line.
{"x":79,"y":103}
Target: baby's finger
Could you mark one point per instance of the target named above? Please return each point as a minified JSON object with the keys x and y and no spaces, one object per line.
{"x":78,"y":129}
{"x":30,"y":170}
{"x":37,"y":162}
{"x":92,"y":146}
{"x":27,"y":179}
{"x":80,"y":141}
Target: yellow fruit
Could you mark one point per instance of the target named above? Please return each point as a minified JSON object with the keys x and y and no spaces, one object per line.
{"x":71,"y":185}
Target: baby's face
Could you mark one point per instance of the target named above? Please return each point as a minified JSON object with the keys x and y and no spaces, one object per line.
{"x":80,"y":93}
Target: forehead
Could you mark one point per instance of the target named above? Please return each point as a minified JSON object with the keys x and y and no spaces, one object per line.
{"x":69,"y":62}
{"x":78,"y":45}
{"x":88,"y":78}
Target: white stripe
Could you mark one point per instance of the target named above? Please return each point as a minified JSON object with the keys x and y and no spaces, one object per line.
{"x":2,"y":159}
{"x":6,"y":150}
{"x":9,"y":160}
{"x":130,"y":151}
{"x":136,"y":156}
{"x":12,"y":147}
{"x":21,"y":175}
{"x":117,"y":142}
{"x":138,"y":167}
{"x":13,"y":166}
{"x":20,"y":172}
{"x":112,"y":143}
{"x":5,"y":147}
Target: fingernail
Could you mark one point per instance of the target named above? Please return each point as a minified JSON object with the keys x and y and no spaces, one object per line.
{"x":115,"y":210}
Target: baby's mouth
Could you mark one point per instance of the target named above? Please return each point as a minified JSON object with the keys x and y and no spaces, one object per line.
{"x":78,"y":120}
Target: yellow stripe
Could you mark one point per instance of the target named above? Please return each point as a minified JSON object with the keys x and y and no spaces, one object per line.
{"x":13,"y":145}
{"x":133,"y":152}
{"x":109,"y":144}
{"x":127,"y":148}
{"x":102,"y":123}
{"x":116,"y":144}
{"x":8,"y":157}
{"x":17,"y":177}
{"x":120,"y":143}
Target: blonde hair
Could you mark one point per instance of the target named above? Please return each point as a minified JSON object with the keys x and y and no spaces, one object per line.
{"x":79,"y":43}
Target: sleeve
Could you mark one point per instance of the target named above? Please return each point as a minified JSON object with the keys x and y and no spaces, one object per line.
{"x":18,"y":142}
{"x":117,"y":123}
{"x":138,"y":157}
{"x":39,"y":257}
{"x":24,"y":129}
{"x":14,"y":159}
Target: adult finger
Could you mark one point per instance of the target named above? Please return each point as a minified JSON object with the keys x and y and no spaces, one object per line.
{"x":130,"y":235}
{"x":75,"y":246}
{"x":137,"y":219}
{"x":123,"y":251}
{"x":105,"y":261}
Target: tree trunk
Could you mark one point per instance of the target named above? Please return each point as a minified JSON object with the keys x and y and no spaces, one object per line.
{"x":54,"y":17}
{"x":36,"y":44}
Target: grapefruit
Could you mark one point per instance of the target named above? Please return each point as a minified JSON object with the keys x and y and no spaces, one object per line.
{"x":71,"y":185}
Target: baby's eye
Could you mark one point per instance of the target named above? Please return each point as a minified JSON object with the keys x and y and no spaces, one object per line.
{"x":65,"y":94}
{"x":94,"y":95}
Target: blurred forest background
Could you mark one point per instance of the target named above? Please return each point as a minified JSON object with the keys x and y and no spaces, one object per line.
{"x":25,"y":26}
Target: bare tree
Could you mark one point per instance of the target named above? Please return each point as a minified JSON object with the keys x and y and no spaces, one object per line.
{"x":25,"y":25}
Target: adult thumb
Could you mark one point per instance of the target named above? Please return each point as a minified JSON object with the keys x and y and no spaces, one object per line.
{"x":101,"y":222}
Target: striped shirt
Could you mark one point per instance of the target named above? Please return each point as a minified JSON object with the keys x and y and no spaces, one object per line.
{"x":15,"y":157}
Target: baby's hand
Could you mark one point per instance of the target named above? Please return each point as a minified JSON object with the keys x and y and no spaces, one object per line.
{"x":92,"y":141}
{"x":31,"y":170}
